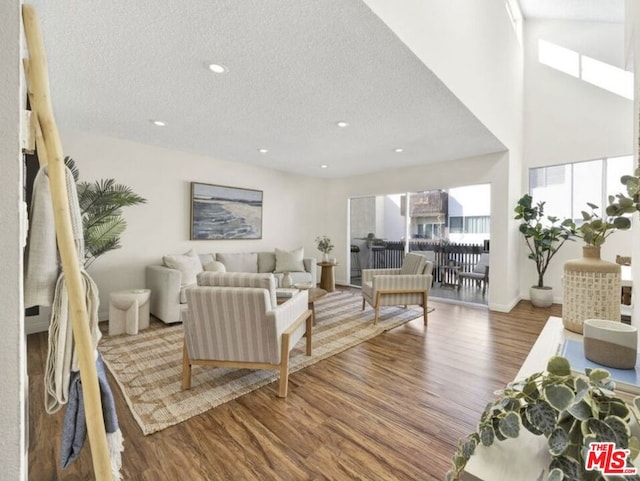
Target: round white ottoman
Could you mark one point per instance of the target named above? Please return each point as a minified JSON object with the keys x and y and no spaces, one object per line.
{"x":129,"y":311}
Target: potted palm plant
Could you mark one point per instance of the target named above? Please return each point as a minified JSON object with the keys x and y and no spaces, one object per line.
{"x":544,"y":236}
{"x":101,"y":204}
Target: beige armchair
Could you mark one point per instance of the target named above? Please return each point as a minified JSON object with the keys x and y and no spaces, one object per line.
{"x":390,"y":287}
{"x":242,"y":327}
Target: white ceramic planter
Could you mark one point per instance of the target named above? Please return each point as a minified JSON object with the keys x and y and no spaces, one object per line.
{"x":541,"y":296}
{"x":610,"y":343}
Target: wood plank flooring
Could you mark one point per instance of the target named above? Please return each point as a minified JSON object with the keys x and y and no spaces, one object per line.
{"x":392,"y":408}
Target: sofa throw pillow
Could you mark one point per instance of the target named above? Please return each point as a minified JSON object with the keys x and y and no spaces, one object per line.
{"x":188,"y":264}
{"x":206,"y":258}
{"x":266,"y":261}
{"x":290,"y":261}
{"x":413,"y":264}
{"x":239,"y":261}
{"x":215,"y":266}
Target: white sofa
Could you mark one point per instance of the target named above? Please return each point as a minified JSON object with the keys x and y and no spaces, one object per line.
{"x":168,"y":284}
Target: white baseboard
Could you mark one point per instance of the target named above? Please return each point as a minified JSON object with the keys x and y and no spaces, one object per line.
{"x":504,"y":307}
{"x":39,"y":323}
{"x":443,"y":300}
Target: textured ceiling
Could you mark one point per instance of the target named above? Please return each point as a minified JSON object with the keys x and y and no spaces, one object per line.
{"x":295,"y":68}
{"x":586,"y":10}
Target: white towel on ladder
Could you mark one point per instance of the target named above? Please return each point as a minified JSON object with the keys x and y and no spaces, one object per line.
{"x":42,"y":266}
{"x":61,"y":355}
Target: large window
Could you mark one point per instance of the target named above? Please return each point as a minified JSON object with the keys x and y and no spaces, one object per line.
{"x":567,"y":188}
{"x":477,"y":224}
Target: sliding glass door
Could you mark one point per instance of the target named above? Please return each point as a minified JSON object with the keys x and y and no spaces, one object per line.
{"x":452,"y":224}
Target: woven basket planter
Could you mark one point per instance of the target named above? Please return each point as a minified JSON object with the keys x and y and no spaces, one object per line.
{"x":591,"y":290}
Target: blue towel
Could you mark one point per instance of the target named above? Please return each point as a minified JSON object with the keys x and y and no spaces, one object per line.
{"x":74,"y":426}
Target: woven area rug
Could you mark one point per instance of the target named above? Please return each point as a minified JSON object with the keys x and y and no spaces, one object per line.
{"x":148,"y":366}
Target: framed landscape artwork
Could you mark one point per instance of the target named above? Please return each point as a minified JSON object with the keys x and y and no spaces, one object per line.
{"x":221,"y":212}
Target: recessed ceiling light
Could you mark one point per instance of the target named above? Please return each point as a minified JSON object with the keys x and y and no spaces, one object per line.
{"x":217,"y":68}
{"x":159,"y":123}
{"x":342,"y":123}
{"x":398,"y":150}
{"x":263,"y":151}
{"x":324,"y":166}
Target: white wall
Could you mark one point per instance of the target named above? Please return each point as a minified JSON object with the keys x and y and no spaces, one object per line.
{"x":568,"y":120}
{"x":491,"y":169}
{"x":294,"y":207}
{"x":472,"y":48}
{"x":12,"y":342}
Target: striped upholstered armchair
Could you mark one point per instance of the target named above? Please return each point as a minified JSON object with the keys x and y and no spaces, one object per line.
{"x":241,"y":326}
{"x":390,"y":287}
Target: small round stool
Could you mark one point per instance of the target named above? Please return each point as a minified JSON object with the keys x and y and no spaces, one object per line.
{"x":128,"y":311}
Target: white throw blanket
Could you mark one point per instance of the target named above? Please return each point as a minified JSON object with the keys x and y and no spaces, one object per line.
{"x":42,"y":265}
{"x":61,"y":355}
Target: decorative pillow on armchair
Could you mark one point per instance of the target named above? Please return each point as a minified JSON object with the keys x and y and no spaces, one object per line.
{"x":188,"y":264}
{"x":290,"y":261}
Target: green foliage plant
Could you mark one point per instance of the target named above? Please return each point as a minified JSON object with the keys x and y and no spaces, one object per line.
{"x":324,"y":244}
{"x":570,"y":410}
{"x":595,"y":230}
{"x":626,"y":203}
{"x":544,"y":235}
{"x":101,"y":204}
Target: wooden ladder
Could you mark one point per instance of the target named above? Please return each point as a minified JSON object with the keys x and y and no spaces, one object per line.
{"x":50,"y":153}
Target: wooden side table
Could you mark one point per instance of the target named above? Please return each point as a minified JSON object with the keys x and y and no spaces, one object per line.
{"x":327,"y":278}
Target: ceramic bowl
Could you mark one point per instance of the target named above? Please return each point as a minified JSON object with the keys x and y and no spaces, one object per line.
{"x":610,"y":343}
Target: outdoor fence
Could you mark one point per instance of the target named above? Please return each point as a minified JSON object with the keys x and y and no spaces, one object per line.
{"x":464,"y":257}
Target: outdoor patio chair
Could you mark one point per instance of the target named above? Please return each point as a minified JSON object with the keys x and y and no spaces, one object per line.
{"x":391,"y":287}
{"x":480,"y":273}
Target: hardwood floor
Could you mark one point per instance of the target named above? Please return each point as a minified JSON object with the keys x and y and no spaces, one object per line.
{"x":392,"y":408}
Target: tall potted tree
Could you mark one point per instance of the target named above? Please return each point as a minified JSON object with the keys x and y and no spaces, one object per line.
{"x":544,"y":236}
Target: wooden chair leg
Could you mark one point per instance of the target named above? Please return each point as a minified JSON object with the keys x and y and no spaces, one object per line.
{"x":377,"y":308}
{"x":284,"y":366}
{"x":424,"y":307}
{"x":186,"y":368}
{"x":310,"y":321}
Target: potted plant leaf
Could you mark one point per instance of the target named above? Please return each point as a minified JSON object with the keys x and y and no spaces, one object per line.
{"x":595,"y":230}
{"x":626,"y":204}
{"x":101,"y":204}
{"x":571,"y":411}
{"x":325,"y":246}
{"x":544,"y":236}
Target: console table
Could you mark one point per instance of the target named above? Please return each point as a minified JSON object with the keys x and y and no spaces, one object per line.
{"x":525,"y":457}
